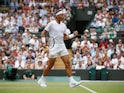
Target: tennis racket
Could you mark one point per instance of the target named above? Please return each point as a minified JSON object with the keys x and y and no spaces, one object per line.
{"x":51,"y":42}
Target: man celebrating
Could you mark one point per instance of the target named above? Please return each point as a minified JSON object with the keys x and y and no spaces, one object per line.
{"x":57,"y":31}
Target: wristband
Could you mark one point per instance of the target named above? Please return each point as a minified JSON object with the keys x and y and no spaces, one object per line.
{"x":71,"y":36}
{"x":43,"y":40}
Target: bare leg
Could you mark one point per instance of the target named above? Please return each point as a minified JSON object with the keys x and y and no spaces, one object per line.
{"x":72,"y":82}
{"x":67,"y":65}
{"x":41,"y":81}
{"x":50,"y":65}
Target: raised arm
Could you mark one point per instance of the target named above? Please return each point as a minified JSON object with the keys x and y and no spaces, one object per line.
{"x":70,"y":36}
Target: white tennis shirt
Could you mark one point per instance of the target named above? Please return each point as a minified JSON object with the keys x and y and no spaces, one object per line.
{"x":56,"y":31}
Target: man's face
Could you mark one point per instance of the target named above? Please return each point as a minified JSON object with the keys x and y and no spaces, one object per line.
{"x":62,"y":17}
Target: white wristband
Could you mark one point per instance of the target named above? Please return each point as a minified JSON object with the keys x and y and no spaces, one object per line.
{"x":71,"y":36}
{"x":43,"y":40}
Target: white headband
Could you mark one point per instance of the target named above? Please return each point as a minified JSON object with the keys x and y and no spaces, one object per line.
{"x":61,"y":12}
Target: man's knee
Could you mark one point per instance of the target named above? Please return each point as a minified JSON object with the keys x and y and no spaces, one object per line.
{"x":67,"y":65}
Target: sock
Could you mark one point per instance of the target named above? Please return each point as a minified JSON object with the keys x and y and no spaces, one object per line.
{"x":71,"y":78}
{"x":42,"y":76}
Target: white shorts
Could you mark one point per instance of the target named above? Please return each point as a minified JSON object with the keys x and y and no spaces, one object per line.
{"x":58,"y":50}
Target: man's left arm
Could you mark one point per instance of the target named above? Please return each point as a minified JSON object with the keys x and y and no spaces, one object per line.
{"x":70,"y":36}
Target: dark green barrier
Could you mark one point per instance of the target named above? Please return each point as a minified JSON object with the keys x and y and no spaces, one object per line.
{"x":84,"y":74}
{"x":92,"y":74}
{"x":104,"y":74}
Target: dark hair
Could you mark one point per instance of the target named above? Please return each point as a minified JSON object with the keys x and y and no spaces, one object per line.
{"x":58,"y":11}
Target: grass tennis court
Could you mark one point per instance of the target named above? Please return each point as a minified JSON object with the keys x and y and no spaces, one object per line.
{"x":22,"y":86}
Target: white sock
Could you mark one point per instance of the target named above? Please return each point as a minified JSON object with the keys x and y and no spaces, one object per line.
{"x":71,"y":78}
{"x":42,"y":76}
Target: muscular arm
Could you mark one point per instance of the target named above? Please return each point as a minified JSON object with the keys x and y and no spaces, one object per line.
{"x":43,"y":34}
{"x":66,"y":37}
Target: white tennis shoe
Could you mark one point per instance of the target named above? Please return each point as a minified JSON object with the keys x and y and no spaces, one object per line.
{"x":42,"y":82}
{"x":74,"y":83}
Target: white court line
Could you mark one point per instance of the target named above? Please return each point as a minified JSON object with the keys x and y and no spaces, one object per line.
{"x":102,"y":81}
{"x":90,"y":90}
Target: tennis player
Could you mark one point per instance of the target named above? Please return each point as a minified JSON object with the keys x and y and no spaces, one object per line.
{"x":57,"y":33}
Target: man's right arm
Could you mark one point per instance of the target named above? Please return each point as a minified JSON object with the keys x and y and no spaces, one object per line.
{"x":43,"y":34}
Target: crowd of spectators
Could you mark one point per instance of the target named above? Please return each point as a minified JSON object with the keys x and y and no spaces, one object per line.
{"x":20,"y":48}
{"x":96,"y":48}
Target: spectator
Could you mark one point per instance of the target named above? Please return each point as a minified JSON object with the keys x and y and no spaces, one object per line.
{"x":93,"y":32}
{"x":10,"y":74}
{"x":85,"y":3}
{"x":26,"y":8}
{"x":1,"y":65}
{"x":14,"y":53}
{"x":121,"y":61}
{"x":86,"y":58}
{"x":30,"y":56}
{"x":43,"y":11}
{"x":19,"y":64}
{"x":32,"y":3}
{"x":115,"y":18}
{"x":80,"y":65}
{"x":104,"y":34}
{"x":99,"y":65}
{"x":34,"y":28}
{"x":26,"y":37}
{"x":119,"y":47}
{"x":85,"y":48}
{"x":9,"y":62}
{"x":93,"y":43}
{"x":26,"y":2}
{"x":77,"y":58}
{"x":35,"y":42}
{"x":28,"y":74}
{"x":14,"y":5}
{"x":39,"y":65}
{"x":90,"y":65}
{"x":44,"y":20}
{"x":108,"y":63}
{"x":3,"y":57}
{"x":14,"y":47}
{"x":79,"y":4}
{"x":112,"y":33}
{"x":84,"y":40}
{"x":73,"y":3}
{"x":28,"y":62}
{"x":96,"y":58}
{"x":14,"y":28}
{"x":39,"y":53}
{"x":110,"y":48}
{"x":115,"y":62}
{"x":45,"y":56}
{"x":75,"y":44}
{"x":103,"y":42}
{"x":86,"y":33}
{"x":97,"y":20}
{"x":7,"y":2}
{"x":122,"y":23}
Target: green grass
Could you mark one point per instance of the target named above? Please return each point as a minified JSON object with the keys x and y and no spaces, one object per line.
{"x":60,"y":87}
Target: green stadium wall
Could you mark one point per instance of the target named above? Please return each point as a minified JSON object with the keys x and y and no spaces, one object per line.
{"x":84,"y":74}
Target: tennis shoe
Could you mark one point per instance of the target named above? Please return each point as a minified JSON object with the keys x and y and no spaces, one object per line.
{"x":42,"y":82}
{"x":74,"y":83}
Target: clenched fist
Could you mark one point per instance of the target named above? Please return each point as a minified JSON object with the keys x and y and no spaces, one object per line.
{"x":75,"y":33}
